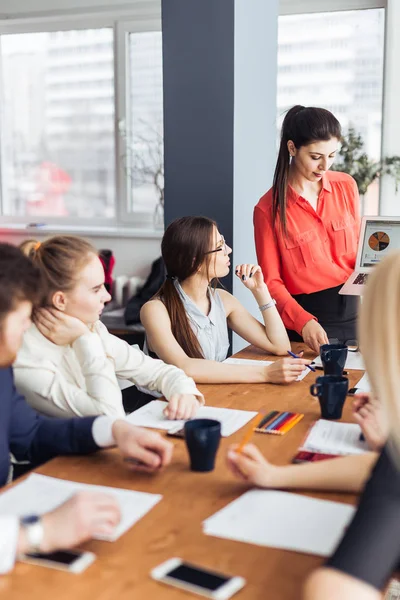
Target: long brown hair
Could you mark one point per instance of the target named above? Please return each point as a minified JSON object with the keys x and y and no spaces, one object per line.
{"x":184,"y":246}
{"x":59,"y":260}
{"x":303,"y":126}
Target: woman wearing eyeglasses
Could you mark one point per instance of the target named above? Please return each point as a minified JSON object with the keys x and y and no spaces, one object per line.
{"x":187,"y":321}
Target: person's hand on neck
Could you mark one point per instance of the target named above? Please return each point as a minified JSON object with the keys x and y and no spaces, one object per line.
{"x":58,"y":327}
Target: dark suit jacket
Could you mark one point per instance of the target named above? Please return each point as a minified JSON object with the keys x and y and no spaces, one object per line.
{"x":30,"y":436}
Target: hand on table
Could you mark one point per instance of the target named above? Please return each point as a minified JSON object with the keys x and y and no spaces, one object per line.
{"x":182,"y":406}
{"x":143,"y":450}
{"x":251,"y":466}
{"x":286,"y":370}
{"x":314,"y":335}
{"x":80,"y":518}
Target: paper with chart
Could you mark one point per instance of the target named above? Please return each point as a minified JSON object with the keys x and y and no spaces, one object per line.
{"x":39,"y":494}
{"x":247,"y":361}
{"x":329,"y":437}
{"x":354,"y":361}
{"x":152,"y":415}
{"x":282,"y":520}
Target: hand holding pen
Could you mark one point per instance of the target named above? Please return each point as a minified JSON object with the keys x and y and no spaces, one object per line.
{"x":296,"y":356}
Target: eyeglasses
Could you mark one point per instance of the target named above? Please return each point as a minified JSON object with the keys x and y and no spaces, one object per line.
{"x":223,"y":248}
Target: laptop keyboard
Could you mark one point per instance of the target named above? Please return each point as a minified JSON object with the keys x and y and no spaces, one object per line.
{"x":361,"y":278}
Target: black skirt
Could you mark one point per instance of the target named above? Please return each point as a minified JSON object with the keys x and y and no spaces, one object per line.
{"x":335,"y":313}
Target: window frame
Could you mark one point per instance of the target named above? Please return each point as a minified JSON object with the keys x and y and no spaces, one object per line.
{"x":294,"y":7}
{"x":122,"y":24}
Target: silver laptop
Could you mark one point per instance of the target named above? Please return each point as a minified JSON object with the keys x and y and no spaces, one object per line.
{"x":378,"y":236}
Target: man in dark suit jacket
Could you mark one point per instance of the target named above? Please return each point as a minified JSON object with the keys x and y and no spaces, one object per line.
{"x":29,"y":436}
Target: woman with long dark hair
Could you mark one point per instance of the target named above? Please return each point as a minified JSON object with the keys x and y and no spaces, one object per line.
{"x":187,"y":321}
{"x":306,"y":231}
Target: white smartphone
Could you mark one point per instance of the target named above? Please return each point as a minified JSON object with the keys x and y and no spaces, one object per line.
{"x":72,"y":561}
{"x":198,"y":580}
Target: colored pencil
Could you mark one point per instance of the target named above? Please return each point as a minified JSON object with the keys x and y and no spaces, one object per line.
{"x":271,"y":415}
{"x":292,"y":417}
{"x":249,"y":431}
{"x":283,"y":423}
{"x":289,"y":426}
{"x":276,"y":422}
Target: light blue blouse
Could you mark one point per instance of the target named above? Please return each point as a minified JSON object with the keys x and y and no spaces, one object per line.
{"x":211,"y":330}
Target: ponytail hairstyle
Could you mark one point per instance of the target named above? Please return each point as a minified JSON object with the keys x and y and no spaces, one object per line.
{"x":303,"y":125}
{"x":59,"y":261}
{"x":184,"y":246}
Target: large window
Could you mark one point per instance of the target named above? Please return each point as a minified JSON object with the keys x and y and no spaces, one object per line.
{"x":81,"y":125}
{"x":58,"y":124}
{"x":335,"y":60}
{"x":145,"y":136}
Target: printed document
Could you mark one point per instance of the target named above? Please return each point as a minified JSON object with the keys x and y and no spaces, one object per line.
{"x":152,"y":415}
{"x":282,"y":520}
{"x":246,"y":361}
{"x":330,"y":437}
{"x":354,"y":361}
{"x":39,"y":494}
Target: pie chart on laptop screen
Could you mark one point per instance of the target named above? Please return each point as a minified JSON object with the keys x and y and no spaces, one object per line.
{"x":379,"y":241}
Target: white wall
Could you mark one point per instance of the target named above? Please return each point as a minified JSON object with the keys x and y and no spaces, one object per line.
{"x":133,"y":256}
{"x":389,"y":200}
{"x":256,"y":31}
{"x":16,"y":8}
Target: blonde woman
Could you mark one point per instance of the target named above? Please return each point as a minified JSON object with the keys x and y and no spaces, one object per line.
{"x":370,"y":549}
{"x":69,"y":362}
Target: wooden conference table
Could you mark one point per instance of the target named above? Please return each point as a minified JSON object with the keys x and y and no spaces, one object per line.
{"x":174,"y":526}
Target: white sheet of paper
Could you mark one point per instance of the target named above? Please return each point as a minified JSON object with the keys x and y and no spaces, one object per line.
{"x":248,"y":361}
{"x":38,"y":494}
{"x":354,"y":361}
{"x":282,"y":520}
{"x":363,"y":385}
{"x":329,"y":437}
{"x":151,"y":415}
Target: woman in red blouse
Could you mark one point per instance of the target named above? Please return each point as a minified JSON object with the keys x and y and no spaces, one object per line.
{"x":306,"y":231}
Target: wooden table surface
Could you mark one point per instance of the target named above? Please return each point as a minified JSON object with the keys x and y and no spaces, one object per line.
{"x":174,"y":526}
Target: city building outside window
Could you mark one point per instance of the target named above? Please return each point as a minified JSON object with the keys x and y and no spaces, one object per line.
{"x":335,"y":60}
{"x":64,"y":138}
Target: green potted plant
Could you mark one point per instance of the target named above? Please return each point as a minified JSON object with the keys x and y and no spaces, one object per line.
{"x":355,"y":161}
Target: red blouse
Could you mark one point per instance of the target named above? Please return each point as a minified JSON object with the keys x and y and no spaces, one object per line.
{"x":319,"y":250}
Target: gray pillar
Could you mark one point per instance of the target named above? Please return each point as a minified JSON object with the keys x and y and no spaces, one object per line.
{"x":220,"y":66}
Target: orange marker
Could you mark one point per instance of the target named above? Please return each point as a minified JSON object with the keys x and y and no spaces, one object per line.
{"x":290,"y":424}
{"x":254,"y":423}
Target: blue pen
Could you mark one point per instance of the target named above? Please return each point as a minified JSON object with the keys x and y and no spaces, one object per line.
{"x":295,"y":356}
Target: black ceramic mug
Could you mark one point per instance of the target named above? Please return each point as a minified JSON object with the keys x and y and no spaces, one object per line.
{"x":202,"y":438}
{"x":331,"y":391}
{"x":333,"y":358}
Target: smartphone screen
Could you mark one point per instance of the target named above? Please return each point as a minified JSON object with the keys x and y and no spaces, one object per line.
{"x":72,"y":561}
{"x":202,"y":578}
{"x":62,"y":557}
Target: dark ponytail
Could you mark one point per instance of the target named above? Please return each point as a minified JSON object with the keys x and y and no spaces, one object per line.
{"x":183,"y":248}
{"x":303,"y":125}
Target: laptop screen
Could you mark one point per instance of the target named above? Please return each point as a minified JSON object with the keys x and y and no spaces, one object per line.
{"x":380,"y":237}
